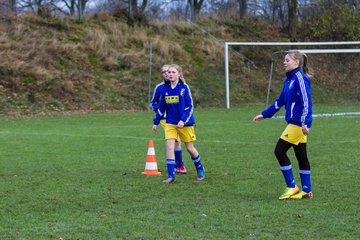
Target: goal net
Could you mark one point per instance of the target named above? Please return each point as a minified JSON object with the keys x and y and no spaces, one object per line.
{"x":255,"y":70}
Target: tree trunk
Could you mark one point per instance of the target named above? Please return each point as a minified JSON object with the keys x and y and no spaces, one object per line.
{"x":243,"y":4}
{"x":292,"y":6}
{"x":134,"y":8}
{"x":83,"y":6}
{"x":197,"y":7}
{"x":143,"y":6}
{"x":12,"y":7}
{"x":130,"y":20}
{"x":71,"y":7}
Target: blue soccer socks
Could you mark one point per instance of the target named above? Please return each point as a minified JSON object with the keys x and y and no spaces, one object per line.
{"x":178,"y":157}
{"x":170,"y":164}
{"x":305,"y":180}
{"x":197,"y":162}
{"x":288,"y":175}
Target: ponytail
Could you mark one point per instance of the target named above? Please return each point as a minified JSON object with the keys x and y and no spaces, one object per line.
{"x":305,"y":67}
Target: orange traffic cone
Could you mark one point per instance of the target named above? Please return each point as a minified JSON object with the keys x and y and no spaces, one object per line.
{"x":151,"y":165}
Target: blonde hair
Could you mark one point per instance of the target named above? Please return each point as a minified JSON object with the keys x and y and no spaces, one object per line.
{"x":165,"y":66}
{"x":179,"y":69}
{"x":303,"y":60}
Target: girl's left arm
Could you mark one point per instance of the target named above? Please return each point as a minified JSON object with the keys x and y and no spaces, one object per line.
{"x":304,"y":91}
{"x":188,"y":104}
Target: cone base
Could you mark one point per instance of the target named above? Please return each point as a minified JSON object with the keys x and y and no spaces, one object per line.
{"x":151,"y":173}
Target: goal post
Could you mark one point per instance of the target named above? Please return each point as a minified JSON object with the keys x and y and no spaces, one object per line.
{"x":228,"y":44}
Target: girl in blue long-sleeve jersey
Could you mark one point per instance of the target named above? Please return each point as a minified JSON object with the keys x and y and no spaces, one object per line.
{"x":296,"y":98}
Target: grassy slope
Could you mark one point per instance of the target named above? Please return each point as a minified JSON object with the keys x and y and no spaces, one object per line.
{"x":59,"y":65}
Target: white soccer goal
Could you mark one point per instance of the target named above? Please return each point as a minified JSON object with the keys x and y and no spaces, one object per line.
{"x":308,"y":51}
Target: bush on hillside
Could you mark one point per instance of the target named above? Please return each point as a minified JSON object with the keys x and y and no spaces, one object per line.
{"x":337,"y":23}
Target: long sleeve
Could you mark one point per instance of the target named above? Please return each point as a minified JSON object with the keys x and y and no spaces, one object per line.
{"x":188,"y":105}
{"x":156,"y":96}
{"x":275,"y":107}
{"x":304,"y":93}
{"x":160,"y":111}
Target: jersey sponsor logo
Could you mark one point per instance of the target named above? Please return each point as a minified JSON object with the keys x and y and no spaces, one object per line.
{"x":172,"y":99}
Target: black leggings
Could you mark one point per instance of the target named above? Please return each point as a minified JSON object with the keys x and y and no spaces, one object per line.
{"x":283,"y":146}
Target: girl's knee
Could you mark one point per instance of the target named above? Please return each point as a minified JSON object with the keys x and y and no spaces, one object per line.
{"x":190,"y":148}
{"x":279,"y":152}
{"x":170,"y":145}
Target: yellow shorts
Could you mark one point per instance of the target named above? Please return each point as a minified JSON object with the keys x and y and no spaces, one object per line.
{"x":186,"y":134}
{"x":163,"y":123}
{"x":293,"y":134}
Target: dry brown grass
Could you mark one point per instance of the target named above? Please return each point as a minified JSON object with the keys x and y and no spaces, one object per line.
{"x":166,"y":49}
{"x":56,"y":64}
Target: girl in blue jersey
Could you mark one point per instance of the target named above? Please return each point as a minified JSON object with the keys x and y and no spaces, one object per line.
{"x":296,"y":97}
{"x":176,"y":101}
{"x":179,"y":164}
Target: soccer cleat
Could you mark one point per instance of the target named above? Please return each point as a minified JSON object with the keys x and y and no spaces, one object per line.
{"x":200,"y":176}
{"x":289,"y":192}
{"x":302,"y":195}
{"x":169,"y":180}
{"x":181,"y":169}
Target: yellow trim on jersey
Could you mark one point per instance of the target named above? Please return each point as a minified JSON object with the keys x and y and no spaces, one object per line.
{"x":293,"y":134}
{"x":186,"y":134}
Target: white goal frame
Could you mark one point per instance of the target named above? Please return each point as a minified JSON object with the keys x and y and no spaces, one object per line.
{"x":227,"y":44}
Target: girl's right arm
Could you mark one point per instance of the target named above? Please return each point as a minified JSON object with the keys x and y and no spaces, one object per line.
{"x":154,"y":127}
{"x":156,"y":98}
{"x":275,"y":107}
{"x":258,"y":118}
{"x":161,"y":110}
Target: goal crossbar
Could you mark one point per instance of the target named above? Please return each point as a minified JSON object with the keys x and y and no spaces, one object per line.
{"x":227,"y":44}
{"x":307,"y":51}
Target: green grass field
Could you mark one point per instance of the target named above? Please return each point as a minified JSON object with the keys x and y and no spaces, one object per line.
{"x":79,"y":177}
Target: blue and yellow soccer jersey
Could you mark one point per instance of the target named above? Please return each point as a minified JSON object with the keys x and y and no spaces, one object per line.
{"x":177,"y":103}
